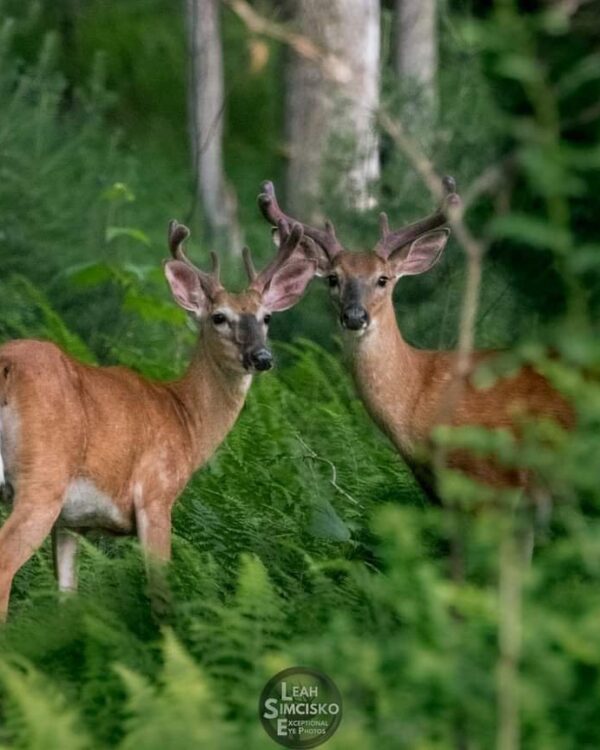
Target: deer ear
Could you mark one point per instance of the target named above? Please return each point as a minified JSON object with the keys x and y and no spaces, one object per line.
{"x":185,"y":287}
{"x":288,"y":285}
{"x":421,"y":255}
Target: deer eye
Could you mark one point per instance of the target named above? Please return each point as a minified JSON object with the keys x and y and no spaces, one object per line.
{"x":382,"y":280}
{"x":332,"y":280}
{"x":218,"y":319}
{"x":267,"y":319}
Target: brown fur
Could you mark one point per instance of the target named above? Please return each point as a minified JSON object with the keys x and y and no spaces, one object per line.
{"x":134,"y":441}
{"x":408,"y":391}
{"x":103,"y":447}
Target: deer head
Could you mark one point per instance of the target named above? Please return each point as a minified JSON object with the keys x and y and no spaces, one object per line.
{"x":234,"y":326}
{"x":361,"y":282}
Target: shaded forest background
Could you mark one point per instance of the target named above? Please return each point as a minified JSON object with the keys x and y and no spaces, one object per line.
{"x":306,"y":539}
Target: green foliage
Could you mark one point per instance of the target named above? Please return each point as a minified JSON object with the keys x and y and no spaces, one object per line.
{"x":37,"y":717}
{"x":182,"y":712}
{"x":306,"y":540}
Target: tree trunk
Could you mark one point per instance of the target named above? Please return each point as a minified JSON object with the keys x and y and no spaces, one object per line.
{"x":417,"y":45}
{"x":206,"y":109}
{"x":320,"y":110}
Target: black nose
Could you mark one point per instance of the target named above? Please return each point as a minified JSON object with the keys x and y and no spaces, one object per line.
{"x":261,"y":359}
{"x":354,"y":317}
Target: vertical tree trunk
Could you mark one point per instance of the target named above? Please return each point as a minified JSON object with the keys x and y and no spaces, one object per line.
{"x":417,"y":45}
{"x":206,"y":108}
{"x":320,"y":109}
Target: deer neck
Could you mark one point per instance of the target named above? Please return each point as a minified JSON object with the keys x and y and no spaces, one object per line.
{"x":388,"y":375}
{"x":210,"y":397}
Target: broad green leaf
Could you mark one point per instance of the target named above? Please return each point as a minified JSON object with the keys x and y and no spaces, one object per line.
{"x":119,"y":191}
{"x":585,"y":258}
{"x":113,"y":233}
{"x":89,"y":274}
{"x":582,"y":72}
{"x":519,"y":67}
{"x":152,"y":308}
{"x":531,"y":231}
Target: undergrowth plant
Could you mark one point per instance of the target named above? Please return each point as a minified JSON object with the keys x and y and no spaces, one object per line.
{"x":306,"y":540}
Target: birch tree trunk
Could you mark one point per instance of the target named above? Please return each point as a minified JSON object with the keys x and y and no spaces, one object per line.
{"x":321,"y":108}
{"x":417,"y":45}
{"x":206,"y":109}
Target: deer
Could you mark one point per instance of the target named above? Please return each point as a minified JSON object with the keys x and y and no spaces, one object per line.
{"x":103,"y":448}
{"x":409,"y":391}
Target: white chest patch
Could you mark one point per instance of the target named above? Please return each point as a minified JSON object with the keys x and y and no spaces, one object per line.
{"x":85,"y":506}
{"x":2,"y":477}
{"x":9,"y":431}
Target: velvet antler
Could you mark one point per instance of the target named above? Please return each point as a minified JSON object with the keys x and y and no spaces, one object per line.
{"x":272,"y":212}
{"x":390,"y":241}
{"x":178,"y":234}
{"x":289,"y":241}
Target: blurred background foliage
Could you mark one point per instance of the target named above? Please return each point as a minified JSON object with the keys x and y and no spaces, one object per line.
{"x":306,"y":539}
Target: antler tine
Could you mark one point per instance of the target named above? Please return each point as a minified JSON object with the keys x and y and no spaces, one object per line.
{"x":289,"y":240}
{"x":270,"y":209}
{"x":384,"y":225}
{"x":216,"y":267}
{"x":178,"y":234}
{"x":391,"y":241}
{"x":248,"y":264}
{"x":310,"y":249}
{"x":449,"y":184}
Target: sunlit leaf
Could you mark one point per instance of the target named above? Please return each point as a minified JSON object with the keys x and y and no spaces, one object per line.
{"x":119,"y":191}
{"x":151,"y":308}
{"x":113,"y":233}
{"x":89,"y":274}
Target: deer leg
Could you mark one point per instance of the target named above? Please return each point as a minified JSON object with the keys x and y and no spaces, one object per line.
{"x":65,"y":545}
{"x":153,"y":521}
{"x":21,"y":535}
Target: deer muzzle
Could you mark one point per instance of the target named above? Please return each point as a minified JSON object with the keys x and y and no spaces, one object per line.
{"x":354,"y":317}
{"x":258,"y":359}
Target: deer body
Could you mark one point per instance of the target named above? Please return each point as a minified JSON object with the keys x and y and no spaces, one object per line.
{"x":127,"y":437}
{"x":103,"y":447}
{"x":407,"y":391}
